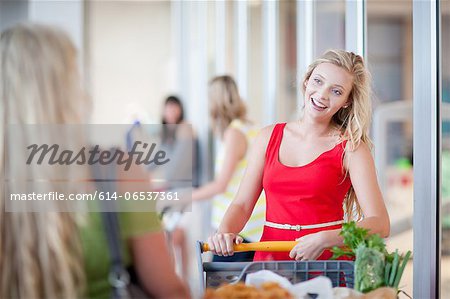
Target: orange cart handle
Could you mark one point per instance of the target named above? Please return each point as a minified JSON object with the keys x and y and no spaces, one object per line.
{"x":283,"y":246}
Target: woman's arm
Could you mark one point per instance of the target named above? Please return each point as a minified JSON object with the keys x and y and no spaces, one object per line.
{"x":155,"y":268}
{"x":242,"y":206}
{"x":235,"y":144}
{"x":362,"y":173}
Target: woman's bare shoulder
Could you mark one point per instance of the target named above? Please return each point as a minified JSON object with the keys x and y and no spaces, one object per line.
{"x":362,"y":149}
{"x":265,"y":133}
{"x":359,"y":155}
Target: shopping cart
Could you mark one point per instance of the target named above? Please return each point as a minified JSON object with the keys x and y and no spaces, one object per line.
{"x":214,"y":274}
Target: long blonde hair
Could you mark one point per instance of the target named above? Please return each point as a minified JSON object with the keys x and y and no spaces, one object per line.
{"x":353,"y":122}
{"x":225,"y":103}
{"x":40,"y":253}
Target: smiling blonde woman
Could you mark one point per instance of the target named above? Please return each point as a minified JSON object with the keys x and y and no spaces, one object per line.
{"x":314,"y":170}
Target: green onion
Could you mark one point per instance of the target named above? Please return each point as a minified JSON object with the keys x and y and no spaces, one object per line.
{"x":394,"y":268}
{"x":401,"y":269}
{"x":387,"y":270}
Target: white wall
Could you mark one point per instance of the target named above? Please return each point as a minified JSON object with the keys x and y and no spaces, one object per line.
{"x":130,"y":59}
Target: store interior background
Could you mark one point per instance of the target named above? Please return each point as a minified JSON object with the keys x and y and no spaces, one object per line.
{"x":134,"y":54}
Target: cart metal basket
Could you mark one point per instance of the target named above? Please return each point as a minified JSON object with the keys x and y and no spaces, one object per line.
{"x":214,"y":274}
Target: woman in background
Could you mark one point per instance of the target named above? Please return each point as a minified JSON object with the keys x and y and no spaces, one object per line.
{"x":173,"y":114}
{"x":63,"y":255}
{"x":176,"y":135}
{"x":235,"y":133}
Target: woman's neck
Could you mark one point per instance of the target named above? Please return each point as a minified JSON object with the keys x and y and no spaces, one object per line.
{"x":312,"y":128}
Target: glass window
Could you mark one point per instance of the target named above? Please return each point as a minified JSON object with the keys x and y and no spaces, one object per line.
{"x":288,"y":81}
{"x":329,"y":26}
{"x":389,"y":56}
{"x":255,"y":62}
{"x":445,"y":112}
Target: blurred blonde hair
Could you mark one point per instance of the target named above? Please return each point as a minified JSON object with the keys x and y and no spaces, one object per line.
{"x":225,"y":103}
{"x":40,"y":253}
{"x":354,"y":121}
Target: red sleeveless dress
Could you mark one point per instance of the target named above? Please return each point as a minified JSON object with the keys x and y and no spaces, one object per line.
{"x":305,"y":195}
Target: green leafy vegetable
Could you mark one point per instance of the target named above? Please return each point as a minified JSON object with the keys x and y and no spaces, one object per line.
{"x":369,"y":269}
{"x":374,"y":266}
{"x":355,"y":236}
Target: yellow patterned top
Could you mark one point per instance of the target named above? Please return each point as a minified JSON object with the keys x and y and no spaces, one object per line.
{"x":253,"y":229}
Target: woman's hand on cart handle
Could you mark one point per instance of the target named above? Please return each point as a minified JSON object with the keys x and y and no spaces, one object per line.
{"x":309,"y":247}
{"x":222,"y":243}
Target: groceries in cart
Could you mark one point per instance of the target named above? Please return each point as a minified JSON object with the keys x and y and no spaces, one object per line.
{"x":266,"y":284}
{"x":375,"y":273}
{"x":241,"y":290}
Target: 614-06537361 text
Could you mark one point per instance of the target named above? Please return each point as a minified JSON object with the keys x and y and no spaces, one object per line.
{"x":135,"y":196}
